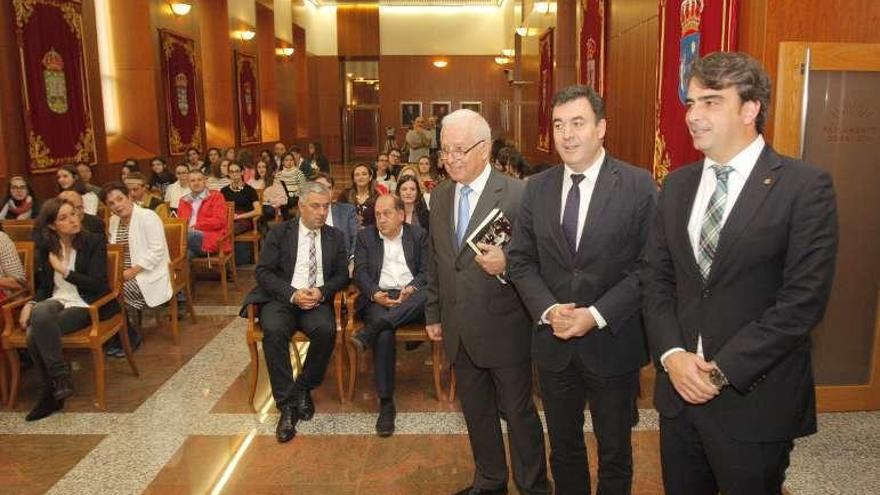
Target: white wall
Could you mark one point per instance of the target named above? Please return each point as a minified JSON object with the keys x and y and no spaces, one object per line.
{"x":283,"y":20}
{"x":320,"y":26}
{"x":243,"y":10}
{"x":443,"y":30}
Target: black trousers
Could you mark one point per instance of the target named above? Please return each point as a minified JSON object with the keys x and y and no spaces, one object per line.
{"x":699,"y":458}
{"x":482,"y":392}
{"x":382,"y":324}
{"x":613,"y":410}
{"x":280,"y":321}
{"x":49,"y":321}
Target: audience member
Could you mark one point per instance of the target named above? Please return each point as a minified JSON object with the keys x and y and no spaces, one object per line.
{"x":418,"y":140}
{"x":204,"y":212}
{"x":245,"y":198}
{"x":427,"y":173}
{"x":90,"y":223}
{"x":193,"y":159}
{"x":12,"y":274}
{"x":362,"y":194}
{"x":85,"y":174}
{"x":68,"y":180}
{"x":146,"y":277}
{"x":71,"y":273}
{"x":414,"y":206}
{"x":128,"y":166}
{"x":245,"y":160}
{"x":291,"y":178}
{"x":316,"y":162}
{"x":258,"y":182}
{"x":213,"y":158}
{"x":342,"y":215}
{"x":219,"y":175}
{"x":137,"y":189}
{"x":278,"y":152}
{"x":160,"y":177}
{"x":178,"y":189}
{"x":391,"y":260}
{"x":384,"y":178}
{"x":394,"y":161}
{"x":274,"y":197}
{"x":20,"y":202}
{"x":304,"y":262}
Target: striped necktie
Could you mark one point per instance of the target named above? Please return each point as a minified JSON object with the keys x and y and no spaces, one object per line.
{"x":313,"y":260}
{"x":712,"y":220}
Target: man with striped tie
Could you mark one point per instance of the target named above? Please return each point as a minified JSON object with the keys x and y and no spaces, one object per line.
{"x":738,"y":271}
{"x":478,"y":314}
{"x":303,"y":263}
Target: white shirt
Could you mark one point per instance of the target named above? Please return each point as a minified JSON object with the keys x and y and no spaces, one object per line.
{"x":196,"y":200}
{"x":395,"y":273}
{"x":301,"y":270}
{"x":586,"y":187}
{"x":90,"y":203}
{"x":477,"y":186}
{"x":743,"y":164}
{"x":329,"y":220}
{"x":65,"y":292}
{"x":174,"y":192}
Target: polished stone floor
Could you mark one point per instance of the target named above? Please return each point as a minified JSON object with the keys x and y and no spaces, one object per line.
{"x":185,"y":426}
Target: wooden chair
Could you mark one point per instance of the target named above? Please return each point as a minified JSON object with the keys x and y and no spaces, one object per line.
{"x":405,"y":333}
{"x":91,"y":337}
{"x":175,"y":236}
{"x":252,"y":237}
{"x":19,"y":230}
{"x":25,"y":251}
{"x":222,"y":260}
{"x":255,"y":334}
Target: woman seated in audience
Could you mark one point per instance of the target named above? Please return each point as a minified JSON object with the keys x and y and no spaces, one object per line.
{"x":258,"y":181}
{"x":316,"y":161}
{"x":384,"y":178}
{"x":414,"y":205}
{"x":427,"y":174}
{"x":129,"y":165}
{"x":68,"y":179}
{"x":266,"y":157}
{"x":193,"y":160}
{"x":213,"y":157}
{"x":179,"y":189}
{"x":291,"y":178}
{"x":141,"y":196}
{"x":218,"y":178}
{"x":362,"y":194}
{"x":413,"y":171}
{"x":246,"y":199}
{"x":12,"y":274}
{"x":245,"y":160}
{"x":20,"y":202}
{"x":229,"y":154}
{"x":160,"y":177}
{"x":146,"y":279}
{"x":71,"y":273}
{"x":274,"y":197}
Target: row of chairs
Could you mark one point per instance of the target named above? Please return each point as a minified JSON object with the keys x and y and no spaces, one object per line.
{"x":344,"y":310}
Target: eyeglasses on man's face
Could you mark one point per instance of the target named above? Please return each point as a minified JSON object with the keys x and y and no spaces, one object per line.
{"x":456,"y":155}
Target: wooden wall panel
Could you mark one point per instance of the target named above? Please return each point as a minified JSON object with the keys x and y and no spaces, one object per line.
{"x":357,"y":30}
{"x":414,"y":78}
{"x":217,"y":73}
{"x":12,"y":143}
{"x":268,"y":81}
{"x":325,"y":100}
{"x":301,"y":86}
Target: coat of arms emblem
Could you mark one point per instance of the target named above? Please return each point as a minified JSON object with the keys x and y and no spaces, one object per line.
{"x":180,"y":90}
{"x":689,"y":45}
{"x":56,"y":84}
{"x":248,"y":97}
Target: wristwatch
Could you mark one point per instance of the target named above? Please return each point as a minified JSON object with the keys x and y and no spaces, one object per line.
{"x":716,"y":376}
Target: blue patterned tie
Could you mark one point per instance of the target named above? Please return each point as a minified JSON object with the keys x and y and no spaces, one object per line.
{"x":464,"y":215}
{"x":711,"y":228}
{"x":570,"y":214}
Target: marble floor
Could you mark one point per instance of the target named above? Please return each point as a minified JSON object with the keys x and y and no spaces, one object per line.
{"x":185,"y":426}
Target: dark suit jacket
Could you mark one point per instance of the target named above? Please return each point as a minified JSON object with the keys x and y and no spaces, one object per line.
{"x":344,"y":219}
{"x":477,"y":310}
{"x":274,"y":272}
{"x":603,"y":273}
{"x":369,"y":255}
{"x":89,"y":273}
{"x":768,"y":288}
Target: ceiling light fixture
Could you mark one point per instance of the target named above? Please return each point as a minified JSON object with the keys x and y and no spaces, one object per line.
{"x":180,"y":8}
{"x":441,"y":64}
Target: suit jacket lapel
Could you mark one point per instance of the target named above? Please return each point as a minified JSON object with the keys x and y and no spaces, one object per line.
{"x":293,"y":244}
{"x":409,"y":250}
{"x":378,"y":255}
{"x":604,"y":189}
{"x":682,"y":205}
{"x":759,"y":183}
{"x":327,"y":250}
{"x":554,"y":213}
{"x":490,"y":197}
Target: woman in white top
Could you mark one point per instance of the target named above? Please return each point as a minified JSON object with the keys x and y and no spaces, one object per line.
{"x":178,"y":189}
{"x":68,"y":179}
{"x":71,"y":273}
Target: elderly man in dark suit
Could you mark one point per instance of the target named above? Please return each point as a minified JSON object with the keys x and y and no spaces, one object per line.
{"x":302,"y":265}
{"x":574,"y":259}
{"x":738,"y":271}
{"x":478,"y":314}
{"x":342,"y":215}
{"x":389,"y":269}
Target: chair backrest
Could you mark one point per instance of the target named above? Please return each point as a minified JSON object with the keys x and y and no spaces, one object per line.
{"x":115,"y":258}
{"x":19,"y":230}
{"x":25,"y":251}
{"x":230,"y":217}
{"x":175,"y":236}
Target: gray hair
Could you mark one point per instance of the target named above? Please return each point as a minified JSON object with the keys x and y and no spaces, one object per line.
{"x":477,"y":124}
{"x":313,"y":188}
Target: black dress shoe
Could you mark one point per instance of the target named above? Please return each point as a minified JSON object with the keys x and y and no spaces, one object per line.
{"x":482,"y":491}
{"x":286,"y":428}
{"x":62,"y":388}
{"x":385,"y":423}
{"x":305,"y":407}
{"x":45,"y":407}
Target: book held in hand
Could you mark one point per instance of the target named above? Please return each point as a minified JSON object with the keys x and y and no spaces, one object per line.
{"x":495,"y":230}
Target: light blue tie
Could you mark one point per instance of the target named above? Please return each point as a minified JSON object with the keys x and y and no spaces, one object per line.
{"x":464,"y":215}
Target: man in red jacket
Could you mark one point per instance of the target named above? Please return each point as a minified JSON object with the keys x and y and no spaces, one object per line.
{"x":204,"y":212}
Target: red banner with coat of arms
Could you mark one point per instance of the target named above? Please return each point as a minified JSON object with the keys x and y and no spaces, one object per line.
{"x":180,"y":80}
{"x":248,"y":100}
{"x":545,"y":92}
{"x":688,"y":29}
{"x":57,"y":111}
{"x":592,"y":45}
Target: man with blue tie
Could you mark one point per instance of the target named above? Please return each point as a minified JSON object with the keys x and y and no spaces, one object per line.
{"x":478,"y":314}
{"x":574,"y":258}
